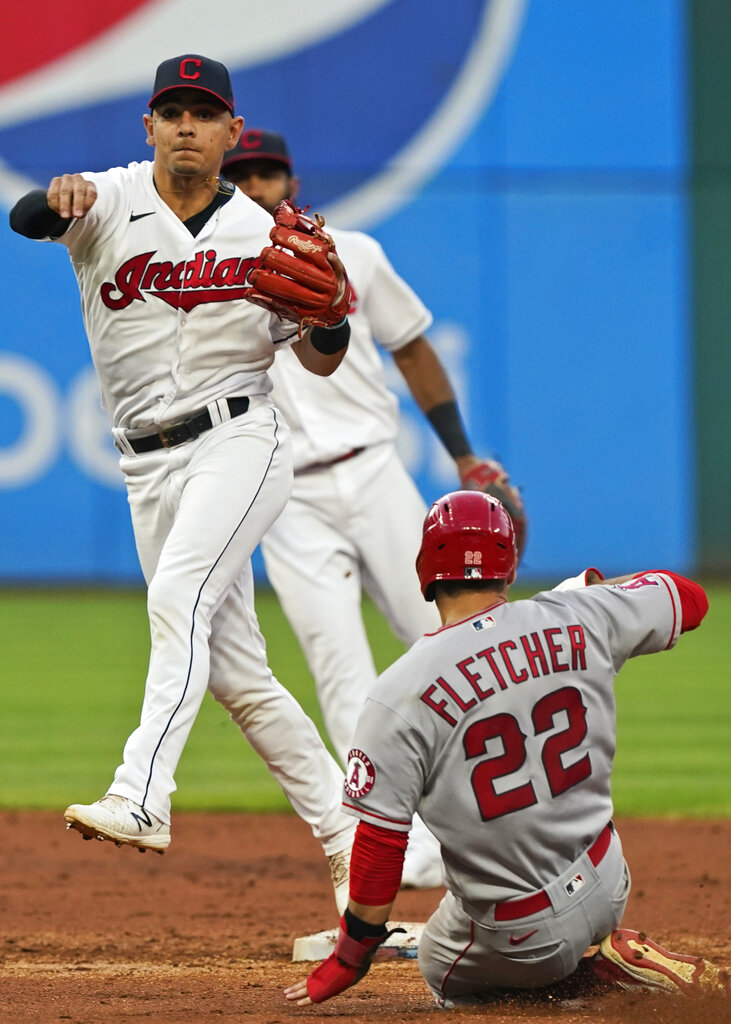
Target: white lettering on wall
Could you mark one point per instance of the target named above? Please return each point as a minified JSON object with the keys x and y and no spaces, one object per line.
{"x":50,"y":421}
{"x":89,"y":438}
{"x":35,"y":449}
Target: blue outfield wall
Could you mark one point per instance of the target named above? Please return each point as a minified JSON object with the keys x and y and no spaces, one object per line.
{"x":551,"y":245}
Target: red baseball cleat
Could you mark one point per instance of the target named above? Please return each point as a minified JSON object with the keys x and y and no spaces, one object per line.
{"x":631,"y":960}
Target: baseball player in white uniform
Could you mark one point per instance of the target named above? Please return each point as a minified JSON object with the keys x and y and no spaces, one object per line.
{"x":499,"y":729}
{"x":161,"y":252}
{"x":354,"y":518}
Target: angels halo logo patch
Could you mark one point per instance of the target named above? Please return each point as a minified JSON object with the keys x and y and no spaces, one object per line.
{"x":360,"y":775}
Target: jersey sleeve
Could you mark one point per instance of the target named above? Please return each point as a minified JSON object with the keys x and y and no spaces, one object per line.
{"x":693,"y":601}
{"x":641,"y":616}
{"x":282,"y":332}
{"x":33,"y":218}
{"x":394,"y":311}
{"x":652,"y":607}
{"x":387,"y":767}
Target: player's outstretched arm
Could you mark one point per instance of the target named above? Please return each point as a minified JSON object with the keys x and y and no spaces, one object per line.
{"x":71,"y":195}
{"x":427,"y":380}
{"x":425,"y":375}
{"x":432,"y":390}
{"x":693,"y":599}
{"x":362,"y":931}
{"x":375,"y":875}
{"x":47,"y":213}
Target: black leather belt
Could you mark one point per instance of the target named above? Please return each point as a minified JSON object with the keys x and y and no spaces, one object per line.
{"x":186,"y":430}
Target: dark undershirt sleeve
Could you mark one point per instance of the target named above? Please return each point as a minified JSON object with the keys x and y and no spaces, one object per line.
{"x":32,"y":216}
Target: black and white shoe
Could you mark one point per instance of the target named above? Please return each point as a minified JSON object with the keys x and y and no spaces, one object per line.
{"x":121,"y":820}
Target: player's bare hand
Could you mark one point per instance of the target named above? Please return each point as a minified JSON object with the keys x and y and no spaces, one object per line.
{"x":298,"y":994}
{"x":71,"y":195}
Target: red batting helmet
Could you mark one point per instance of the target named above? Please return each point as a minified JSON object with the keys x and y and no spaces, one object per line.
{"x":467,"y":535}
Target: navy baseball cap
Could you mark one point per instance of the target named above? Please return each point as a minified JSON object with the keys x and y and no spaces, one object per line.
{"x":257,"y":144}
{"x":191,"y":71}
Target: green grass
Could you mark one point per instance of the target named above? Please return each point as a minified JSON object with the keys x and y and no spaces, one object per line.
{"x":73,"y":668}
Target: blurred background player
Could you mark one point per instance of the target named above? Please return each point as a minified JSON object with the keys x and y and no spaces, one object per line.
{"x":354,"y":519}
{"x":499,"y":730}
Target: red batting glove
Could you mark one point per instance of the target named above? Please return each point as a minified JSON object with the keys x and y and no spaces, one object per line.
{"x":347,"y":964}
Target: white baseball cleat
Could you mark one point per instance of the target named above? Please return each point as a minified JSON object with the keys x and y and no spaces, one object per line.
{"x":121,"y":820}
{"x":423,"y":868}
{"x":340,"y":873}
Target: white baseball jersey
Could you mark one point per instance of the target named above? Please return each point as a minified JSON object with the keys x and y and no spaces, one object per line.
{"x":171,"y":334}
{"x":329,"y":416}
{"x":168,"y":326}
{"x":500,"y":731}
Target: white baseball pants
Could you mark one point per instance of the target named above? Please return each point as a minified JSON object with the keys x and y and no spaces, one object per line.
{"x":460,"y":958}
{"x":198,"y":512}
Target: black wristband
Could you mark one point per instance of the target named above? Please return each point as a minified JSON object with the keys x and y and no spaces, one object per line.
{"x":359,"y":929}
{"x":447,"y":423}
{"x":33,"y":217}
{"x":329,"y":340}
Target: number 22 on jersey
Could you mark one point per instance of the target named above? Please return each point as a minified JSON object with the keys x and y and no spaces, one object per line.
{"x":506,"y":728}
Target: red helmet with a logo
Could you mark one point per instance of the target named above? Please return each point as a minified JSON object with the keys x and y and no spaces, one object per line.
{"x":467,"y":535}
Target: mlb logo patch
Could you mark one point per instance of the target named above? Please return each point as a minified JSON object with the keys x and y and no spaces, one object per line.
{"x":486,"y":622}
{"x":574,"y":885}
{"x":472,"y":572}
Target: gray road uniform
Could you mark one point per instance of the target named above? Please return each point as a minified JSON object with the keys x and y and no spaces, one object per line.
{"x":500,"y":731}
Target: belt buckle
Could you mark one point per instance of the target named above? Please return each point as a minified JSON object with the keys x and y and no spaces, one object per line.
{"x":177,"y":434}
{"x":166,"y":440}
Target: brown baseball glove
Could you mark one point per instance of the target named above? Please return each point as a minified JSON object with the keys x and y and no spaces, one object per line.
{"x":491,"y":478}
{"x":295,"y":278}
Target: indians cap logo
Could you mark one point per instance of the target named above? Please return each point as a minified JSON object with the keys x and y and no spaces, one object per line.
{"x":360,"y":775}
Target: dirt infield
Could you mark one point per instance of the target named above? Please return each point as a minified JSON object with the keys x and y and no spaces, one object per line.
{"x":91,"y":933}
